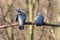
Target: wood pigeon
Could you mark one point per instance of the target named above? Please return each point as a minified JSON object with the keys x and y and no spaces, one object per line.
{"x":39,"y":19}
{"x":21,"y":17}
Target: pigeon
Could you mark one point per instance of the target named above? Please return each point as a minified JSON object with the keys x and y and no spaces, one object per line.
{"x":21,"y":17}
{"x":39,"y":19}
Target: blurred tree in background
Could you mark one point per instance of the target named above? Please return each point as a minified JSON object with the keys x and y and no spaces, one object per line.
{"x":49,"y":8}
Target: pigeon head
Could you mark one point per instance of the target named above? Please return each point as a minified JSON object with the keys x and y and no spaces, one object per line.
{"x":18,"y":10}
{"x":39,"y":13}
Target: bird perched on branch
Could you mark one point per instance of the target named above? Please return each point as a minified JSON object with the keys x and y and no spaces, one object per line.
{"x":21,"y":17}
{"x":39,"y":19}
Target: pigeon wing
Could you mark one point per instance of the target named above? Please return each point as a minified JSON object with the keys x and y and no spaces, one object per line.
{"x":16,"y":17}
{"x":36,"y":18}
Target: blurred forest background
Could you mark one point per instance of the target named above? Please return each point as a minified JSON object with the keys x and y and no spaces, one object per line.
{"x":49,"y":8}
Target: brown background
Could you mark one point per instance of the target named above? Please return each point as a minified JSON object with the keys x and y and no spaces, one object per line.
{"x":49,"y":8}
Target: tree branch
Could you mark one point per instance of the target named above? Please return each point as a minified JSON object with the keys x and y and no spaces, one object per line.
{"x":27,"y":23}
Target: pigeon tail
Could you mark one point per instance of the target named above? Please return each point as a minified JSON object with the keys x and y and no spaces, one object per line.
{"x":39,"y":24}
{"x":21,"y":27}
